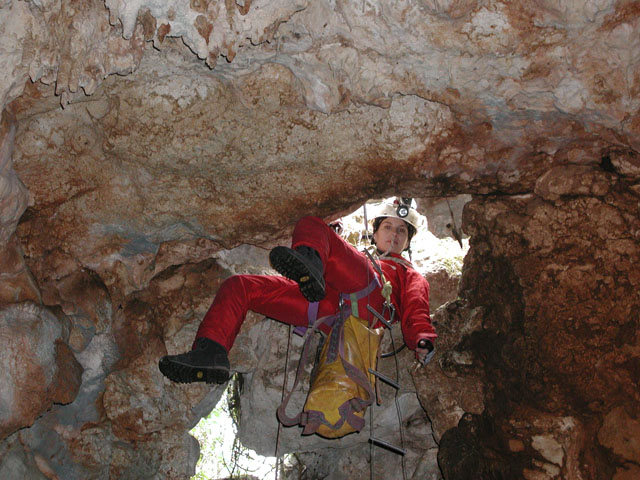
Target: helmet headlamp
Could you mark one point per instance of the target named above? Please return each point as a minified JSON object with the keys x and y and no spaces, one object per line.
{"x":404,"y":206}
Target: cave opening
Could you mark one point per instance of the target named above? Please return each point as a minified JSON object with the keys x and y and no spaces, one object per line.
{"x":222,"y":454}
{"x":438,"y":255}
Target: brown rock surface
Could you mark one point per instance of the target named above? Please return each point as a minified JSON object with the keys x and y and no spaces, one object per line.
{"x":38,"y":368}
{"x":13,"y":195}
{"x":18,"y":284}
{"x":559,"y":297}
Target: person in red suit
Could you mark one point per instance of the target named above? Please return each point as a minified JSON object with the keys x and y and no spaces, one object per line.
{"x":317,"y":270}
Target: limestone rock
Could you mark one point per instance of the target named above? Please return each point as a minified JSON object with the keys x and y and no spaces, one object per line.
{"x":13,"y":194}
{"x":15,"y":463}
{"x":451,"y":384}
{"x":445,"y":215}
{"x":573,"y":180}
{"x":626,"y":164}
{"x":627,"y":473}
{"x":38,"y":367}
{"x":18,"y":284}
{"x":527,"y":325}
{"x":137,"y":402}
{"x":443,"y":287}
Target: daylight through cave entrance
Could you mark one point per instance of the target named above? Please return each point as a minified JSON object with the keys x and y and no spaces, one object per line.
{"x":223,"y":454}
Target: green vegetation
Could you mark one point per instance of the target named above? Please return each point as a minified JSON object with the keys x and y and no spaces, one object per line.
{"x":222,"y":456}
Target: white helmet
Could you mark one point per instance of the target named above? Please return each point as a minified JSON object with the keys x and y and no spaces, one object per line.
{"x":402,"y":208}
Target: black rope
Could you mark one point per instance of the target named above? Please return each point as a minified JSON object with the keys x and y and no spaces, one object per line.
{"x":280,"y":462}
{"x":394,"y":352}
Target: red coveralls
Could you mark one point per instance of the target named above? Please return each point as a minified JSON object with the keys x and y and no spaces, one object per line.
{"x":346,"y":270}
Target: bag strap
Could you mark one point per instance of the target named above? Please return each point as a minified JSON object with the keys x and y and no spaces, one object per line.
{"x":351,"y":307}
{"x":352,"y":298}
{"x":312,"y":420}
{"x":286,"y":420}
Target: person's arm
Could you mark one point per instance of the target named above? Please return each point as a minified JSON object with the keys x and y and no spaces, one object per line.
{"x":416,"y":319}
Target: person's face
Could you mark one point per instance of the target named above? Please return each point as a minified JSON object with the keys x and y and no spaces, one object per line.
{"x":392,"y":235}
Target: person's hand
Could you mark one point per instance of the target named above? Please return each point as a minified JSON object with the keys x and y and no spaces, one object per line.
{"x":423,"y":349}
{"x":421,"y":354}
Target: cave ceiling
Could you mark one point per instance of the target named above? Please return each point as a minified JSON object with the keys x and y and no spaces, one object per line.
{"x":177,"y":115}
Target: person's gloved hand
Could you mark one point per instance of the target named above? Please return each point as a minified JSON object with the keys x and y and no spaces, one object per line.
{"x":424,"y":351}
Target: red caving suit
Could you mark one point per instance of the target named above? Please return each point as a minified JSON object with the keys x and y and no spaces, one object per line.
{"x":346,"y":270}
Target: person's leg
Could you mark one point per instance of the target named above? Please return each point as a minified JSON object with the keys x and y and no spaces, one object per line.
{"x":274,"y":297}
{"x":345,"y":268}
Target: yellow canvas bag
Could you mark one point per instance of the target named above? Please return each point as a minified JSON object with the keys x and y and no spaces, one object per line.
{"x":342,"y":387}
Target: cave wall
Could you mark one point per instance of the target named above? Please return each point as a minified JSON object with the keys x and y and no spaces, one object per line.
{"x":150,"y":149}
{"x":551,"y":288}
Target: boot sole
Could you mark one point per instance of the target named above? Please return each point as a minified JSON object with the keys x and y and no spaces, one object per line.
{"x":183,"y":373}
{"x":287,"y":263}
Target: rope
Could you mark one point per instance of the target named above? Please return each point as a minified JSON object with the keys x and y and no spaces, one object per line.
{"x":279,"y":461}
{"x":399,"y":412}
{"x":386,"y":293}
{"x":371,"y":434}
{"x":366,"y":225}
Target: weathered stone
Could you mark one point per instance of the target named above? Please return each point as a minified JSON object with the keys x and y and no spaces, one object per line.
{"x":15,"y":463}
{"x":626,"y":164}
{"x":573,"y":180}
{"x":136,"y":400}
{"x":13,"y":194}
{"x":451,"y":384}
{"x":549,"y":448}
{"x":443,"y":287}
{"x":627,"y":472}
{"x":444,"y":215}
{"x":556,"y":296}
{"x":621,"y":433}
{"x":38,"y":369}
{"x":18,"y":284}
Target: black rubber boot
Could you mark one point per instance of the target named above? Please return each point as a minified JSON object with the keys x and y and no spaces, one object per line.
{"x":302,"y":265}
{"x":207,"y":362}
